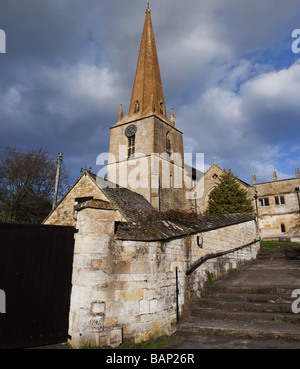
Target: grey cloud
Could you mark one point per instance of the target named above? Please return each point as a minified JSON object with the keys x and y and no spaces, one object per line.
{"x":54,"y":48}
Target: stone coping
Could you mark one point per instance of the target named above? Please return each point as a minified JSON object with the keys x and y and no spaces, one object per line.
{"x":166,"y":229}
{"x":95,"y":204}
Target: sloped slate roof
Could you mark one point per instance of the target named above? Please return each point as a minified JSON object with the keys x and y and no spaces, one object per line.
{"x":129,"y":203}
{"x":166,"y":229}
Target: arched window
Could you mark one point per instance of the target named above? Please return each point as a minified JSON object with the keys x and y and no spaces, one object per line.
{"x":131,"y":146}
{"x":161,"y":108}
{"x":137,"y":106}
{"x":168,"y":144}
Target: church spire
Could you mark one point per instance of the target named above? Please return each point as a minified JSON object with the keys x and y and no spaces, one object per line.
{"x":147,"y":94}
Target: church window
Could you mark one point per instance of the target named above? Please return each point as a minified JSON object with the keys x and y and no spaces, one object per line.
{"x":282,"y":200}
{"x":282,"y":226}
{"x":137,"y":106}
{"x":161,"y":108}
{"x":131,"y":146}
{"x":215,"y":176}
{"x":276,"y":200}
{"x":168,"y":144}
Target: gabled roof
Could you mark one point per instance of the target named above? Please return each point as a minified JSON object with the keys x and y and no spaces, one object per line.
{"x":215,"y":166}
{"x":130,"y":204}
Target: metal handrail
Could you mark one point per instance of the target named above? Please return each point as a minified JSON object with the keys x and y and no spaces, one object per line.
{"x":212,"y":256}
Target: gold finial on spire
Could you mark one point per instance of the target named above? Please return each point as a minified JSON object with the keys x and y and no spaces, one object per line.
{"x":148,"y":7}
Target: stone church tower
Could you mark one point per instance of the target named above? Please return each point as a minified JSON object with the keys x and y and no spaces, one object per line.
{"x":146,"y":149}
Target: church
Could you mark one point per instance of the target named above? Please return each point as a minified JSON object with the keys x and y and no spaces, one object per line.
{"x":146,"y":167}
{"x":146,"y":157}
{"x":133,"y":278}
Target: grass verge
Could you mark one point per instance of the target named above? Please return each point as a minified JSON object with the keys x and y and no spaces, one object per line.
{"x":268,"y":245}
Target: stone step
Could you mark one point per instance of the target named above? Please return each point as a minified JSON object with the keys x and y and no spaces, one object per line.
{"x":239,"y":328}
{"x":218,"y":314}
{"x":271,"y":254}
{"x":268,"y":290}
{"x":235,"y":307}
{"x":248,"y":297}
{"x":270,"y":257}
{"x":265,"y":307}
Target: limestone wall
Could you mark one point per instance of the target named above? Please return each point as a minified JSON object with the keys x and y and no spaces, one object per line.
{"x":125,"y":290}
{"x":271,"y":225}
{"x":219,"y":240}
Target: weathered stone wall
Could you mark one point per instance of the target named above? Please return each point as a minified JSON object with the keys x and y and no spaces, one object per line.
{"x":92,"y":274}
{"x":270,"y":225}
{"x":125,"y":290}
{"x":220,"y":240}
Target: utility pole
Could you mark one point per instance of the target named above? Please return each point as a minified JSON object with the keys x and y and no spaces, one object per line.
{"x":297,"y":192}
{"x":59,"y":160}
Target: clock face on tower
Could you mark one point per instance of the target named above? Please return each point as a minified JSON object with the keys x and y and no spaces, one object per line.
{"x":130,"y":130}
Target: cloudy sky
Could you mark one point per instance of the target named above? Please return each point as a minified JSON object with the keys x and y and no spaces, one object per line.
{"x":227,"y":67}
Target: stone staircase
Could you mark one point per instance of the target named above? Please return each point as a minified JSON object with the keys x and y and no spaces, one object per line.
{"x":236,"y":307}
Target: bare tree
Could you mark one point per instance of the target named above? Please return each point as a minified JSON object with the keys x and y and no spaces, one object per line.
{"x":27,"y":183}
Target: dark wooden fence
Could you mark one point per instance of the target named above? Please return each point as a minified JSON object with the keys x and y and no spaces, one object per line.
{"x":35,"y":275}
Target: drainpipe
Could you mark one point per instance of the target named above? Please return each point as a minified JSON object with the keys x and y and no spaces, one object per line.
{"x":177,"y":293}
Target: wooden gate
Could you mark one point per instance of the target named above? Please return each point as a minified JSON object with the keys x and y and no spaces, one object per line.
{"x":35,"y":276}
